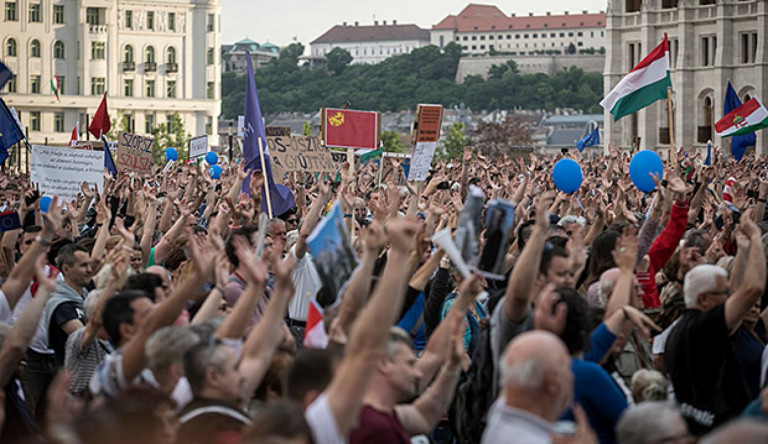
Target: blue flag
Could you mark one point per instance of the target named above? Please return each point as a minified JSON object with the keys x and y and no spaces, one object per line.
{"x":5,"y":75}
{"x":590,"y":139}
{"x":255,"y":138}
{"x":708,"y":160}
{"x":109,"y":161}
{"x":10,"y":132}
{"x":739,"y":144}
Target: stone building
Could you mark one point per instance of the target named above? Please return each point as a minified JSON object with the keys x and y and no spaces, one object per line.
{"x":370,"y":44}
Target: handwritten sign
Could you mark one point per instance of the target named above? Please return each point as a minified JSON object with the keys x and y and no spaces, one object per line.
{"x":198,"y":146}
{"x":421,"y":159}
{"x":61,"y":170}
{"x":134,"y":153}
{"x":427,"y":123}
{"x":299,"y":153}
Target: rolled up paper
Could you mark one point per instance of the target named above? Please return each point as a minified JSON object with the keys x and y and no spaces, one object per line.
{"x":443,"y":240}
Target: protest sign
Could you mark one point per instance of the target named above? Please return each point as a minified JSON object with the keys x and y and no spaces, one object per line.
{"x":274,"y":131}
{"x":134,"y":153}
{"x":198,"y":146}
{"x":426,"y":125}
{"x":60,"y":171}
{"x":421,"y":160}
{"x":91,"y":145}
{"x":299,"y":153}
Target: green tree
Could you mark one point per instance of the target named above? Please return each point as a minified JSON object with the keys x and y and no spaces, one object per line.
{"x":571,"y":49}
{"x":391,"y":141}
{"x":337,"y":60}
{"x":306,"y":128}
{"x":455,"y":141}
{"x":292,"y":52}
{"x":498,"y":71}
{"x":170,"y":134}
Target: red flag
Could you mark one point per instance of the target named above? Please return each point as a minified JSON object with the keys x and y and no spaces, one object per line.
{"x":75,"y":134}
{"x":100,"y":123}
{"x":343,"y":128}
{"x":314,"y":334}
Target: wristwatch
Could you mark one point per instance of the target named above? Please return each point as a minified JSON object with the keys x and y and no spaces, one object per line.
{"x":40,"y":240}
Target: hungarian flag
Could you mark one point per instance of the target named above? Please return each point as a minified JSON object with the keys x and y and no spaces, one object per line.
{"x":55,"y":88}
{"x":75,"y":134}
{"x":315,"y":335}
{"x":644,"y":85}
{"x":343,"y":128}
{"x":100,"y":123}
{"x":748,"y":118}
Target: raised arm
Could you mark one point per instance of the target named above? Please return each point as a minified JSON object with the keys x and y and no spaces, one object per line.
{"x":625,"y":257}
{"x":236,"y":323}
{"x":521,"y":282}
{"x":310,"y":222}
{"x":163,"y":247}
{"x":149,"y":228}
{"x":368,"y":338}
{"x":742,"y":300}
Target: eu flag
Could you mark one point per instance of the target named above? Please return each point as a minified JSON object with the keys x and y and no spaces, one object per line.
{"x":590,"y":139}
{"x":109,"y":161}
{"x":281,"y":197}
{"x":10,"y":133}
{"x":739,"y":144}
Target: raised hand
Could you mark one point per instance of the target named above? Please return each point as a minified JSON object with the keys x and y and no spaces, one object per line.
{"x":542,"y":209}
{"x":254,"y":268}
{"x":54,"y":218}
{"x":400,"y":233}
{"x":374,"y":238}
{"x":202,"y":253}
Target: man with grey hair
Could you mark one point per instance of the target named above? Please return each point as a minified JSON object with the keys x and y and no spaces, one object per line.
{"x":165,"y":352}
{"x":651,"y":423}
{"x":702,"y":365}
{"x":744,"y":431}
{"x":536,"y":387}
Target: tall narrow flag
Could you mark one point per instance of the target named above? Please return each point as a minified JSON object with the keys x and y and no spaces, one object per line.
{"x":315,"y":335}
{"x":5,"y":75}
{"x":591,"y":139}
{"x":55,"y":88}
{"x":100,"y":124}
{"x":10,"y":131}
{"x":644,"y":85}
{"x":75,"y":134}
{"x":281,"y":197}
{"x":739,"y":143}
{"x":109,"y":161}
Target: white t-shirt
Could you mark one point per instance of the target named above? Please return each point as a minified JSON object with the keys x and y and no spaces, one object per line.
{"x":322,"y":422}
{"x":307,"y":282}
{"x":40,"y":340}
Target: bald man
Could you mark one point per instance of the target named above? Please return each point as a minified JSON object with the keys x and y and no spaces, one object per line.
{"x":537,"y":387}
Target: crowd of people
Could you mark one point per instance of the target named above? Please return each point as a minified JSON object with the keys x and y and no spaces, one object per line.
{"x":158,"y":309}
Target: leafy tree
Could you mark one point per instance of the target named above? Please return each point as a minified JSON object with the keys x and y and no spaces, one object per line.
{"x":170,"y":134}
{"x":571,"y":49}
{"x":306,"y":128}
{"x":391,"y":141}
{"x":498,"y":71}
{"x":455,"y":141}
{"x":494,"y":139}
{"x":292,"y":52}
{"x":337,"y":60}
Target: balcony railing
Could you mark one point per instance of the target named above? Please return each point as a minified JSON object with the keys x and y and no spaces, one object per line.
{"x":129,"y":66}
{"x":150,"y":66}
{"x":97,"y":29}
{"x":171,"y":67}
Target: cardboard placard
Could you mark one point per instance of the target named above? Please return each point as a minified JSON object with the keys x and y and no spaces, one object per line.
{"x":134,"y":153}
{"x":198,"y":146}
{"x":274,"y":131}
{"x":299,"y":153}
{"x":427,"y":122}
{"x":60,"y":171}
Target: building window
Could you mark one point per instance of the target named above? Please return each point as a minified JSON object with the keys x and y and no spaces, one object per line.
{"x":209,"y":56}
{"x":92,"y":16}
{"x":209,"y":91}
{"x":474,"y":37}
{"x":58,"y":122}
{"x":34,"y":120}
{"x":708,"y":50}
{"x":211,"y":25}
{"x":668,"y":4}
{"x":509,"y":36}
{"x":149,"y":123}
{"x":169,"y":123}
{"x":579,"y":34}
{"x":98,"y":50}
{"x":707,"y":120}
{"x":633,"y":5}
{"x":34,"y":48}
{"x":10,"y":48}
{"x":97,"y":85}
{"x":517,"y":36}
{"x":535,"y":36}
{"x":10,"y":12}
{"x":34,"y":13}
{"x":128,"y":53}
{"x":674,"y":46}
{"x":11,"y":85}
{"x":149,"y":54}
{"x":58,"y":14}
{"x":129,"y":19}
{"x":170,"y":89}
{"x":562,"y":34}
{"x":128,"y":87}
{"x":58,"y":50}
{"x":490,"y":37}
{"x":474,"y":47}
{"x":706,"y":2}
{"x":170,"y":55}
{"x":171,"y":21}
{"x":150,"y":20}
{"x":525,"y":36}
{"x":465,"y":38}
{"x":482,"y":46}
{"x":149,"y":88}
{"x":748,"y":47}
{"x":62,"y":85}
{"x":464,"y":47}
{"x":34,"y":84}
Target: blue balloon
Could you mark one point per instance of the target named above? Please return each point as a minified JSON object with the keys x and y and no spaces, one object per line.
{"x":215,"y":171}
{"x":171,"y":154}
{"x":642,"y":164}
{"x":211,"y":158}
{"x":567,"y":175}
{"x":45,"y":202}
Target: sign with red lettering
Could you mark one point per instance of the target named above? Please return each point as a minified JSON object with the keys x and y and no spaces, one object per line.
{"x":134,"y":153}
{"x":426,"y":126}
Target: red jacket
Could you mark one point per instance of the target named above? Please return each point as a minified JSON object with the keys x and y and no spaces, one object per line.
{"x":661,"y":250}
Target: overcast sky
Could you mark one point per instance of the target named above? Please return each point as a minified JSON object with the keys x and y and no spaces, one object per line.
{"x":279,"y":21}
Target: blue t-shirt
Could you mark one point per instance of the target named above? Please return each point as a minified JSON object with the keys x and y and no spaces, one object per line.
{"x":412,"y":317}
{"x":599,"y":396}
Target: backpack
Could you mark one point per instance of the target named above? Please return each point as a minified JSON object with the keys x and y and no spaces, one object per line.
{"x":474,"y":394}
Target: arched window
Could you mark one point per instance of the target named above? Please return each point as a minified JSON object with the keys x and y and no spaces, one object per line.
{"x":10,"y":48}
{"x":707,"y":120}
{"x":128,"y":53}
{"x":34,"y":48}
{"x":149,"y":55}
{"x":58,"y":50}
{"x":170,"y":55}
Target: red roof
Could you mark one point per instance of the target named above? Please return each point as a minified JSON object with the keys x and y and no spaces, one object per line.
{"x":376,"y":33}
{"x":476,"y":18}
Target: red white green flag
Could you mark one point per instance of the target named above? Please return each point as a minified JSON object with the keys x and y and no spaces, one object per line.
{"x":644,"y":85}
{"x":55,"y":87}
{"x":748,"y":118}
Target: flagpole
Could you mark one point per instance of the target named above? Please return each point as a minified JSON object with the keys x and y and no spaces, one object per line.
{"x":266,"y":181}
{"x":671,"y":126}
